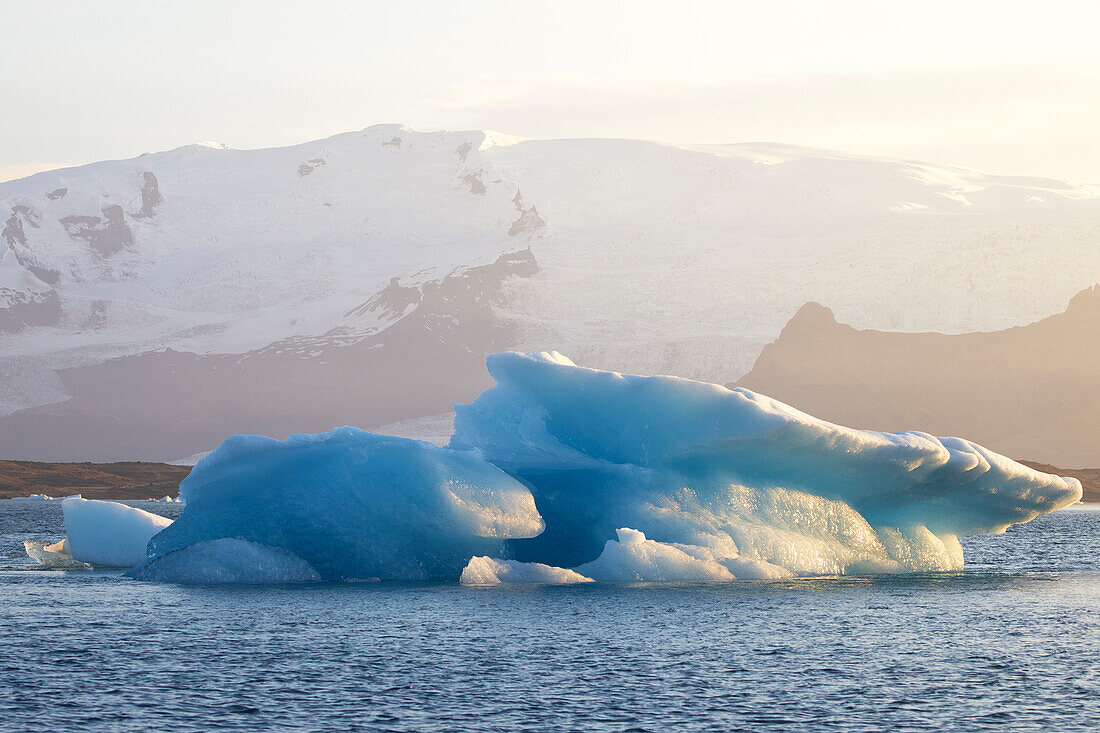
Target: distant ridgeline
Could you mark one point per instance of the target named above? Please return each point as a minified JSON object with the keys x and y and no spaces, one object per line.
{"x":1031,"y":392}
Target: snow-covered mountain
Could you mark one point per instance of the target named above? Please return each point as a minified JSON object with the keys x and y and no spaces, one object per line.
{"x":150,"y":306}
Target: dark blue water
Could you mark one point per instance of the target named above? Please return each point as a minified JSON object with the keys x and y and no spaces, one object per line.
{"x":1012,"y":643}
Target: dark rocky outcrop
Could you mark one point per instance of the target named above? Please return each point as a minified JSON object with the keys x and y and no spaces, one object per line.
{"x":308,"y":167}
{"x":106,"y":235}
{"x":391,"y":302}
{"x":529,"y":219}
{"x":13,"y":232}
{"x":150,"y":195}
{"x":474,"y":183}
{"x":23,"y":307}
{"x":15,"y":236}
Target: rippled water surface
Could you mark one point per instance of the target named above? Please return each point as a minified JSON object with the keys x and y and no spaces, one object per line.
{"x":1012,"y":643}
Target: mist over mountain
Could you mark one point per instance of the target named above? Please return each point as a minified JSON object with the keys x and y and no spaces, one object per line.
{"x":149,"y":307}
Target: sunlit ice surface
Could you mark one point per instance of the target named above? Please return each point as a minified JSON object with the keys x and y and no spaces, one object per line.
{"x":609,"y":476}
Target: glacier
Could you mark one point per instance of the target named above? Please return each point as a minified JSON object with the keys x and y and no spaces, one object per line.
{"x":562,"y":474}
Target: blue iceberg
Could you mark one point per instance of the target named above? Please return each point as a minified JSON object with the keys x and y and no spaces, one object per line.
{"x":618,"y":477}
{"x":348,"y":504}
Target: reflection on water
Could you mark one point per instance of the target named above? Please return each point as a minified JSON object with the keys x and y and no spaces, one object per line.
{"x":1011,"y":642}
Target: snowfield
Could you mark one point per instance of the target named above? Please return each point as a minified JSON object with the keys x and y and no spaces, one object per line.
{"x":642,"y":257}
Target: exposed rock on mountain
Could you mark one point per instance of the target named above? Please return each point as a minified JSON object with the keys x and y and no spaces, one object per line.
{"x":25,"y":301}
{"x":106,"y":235}
{"x":150,"y":194}
{"x":428,"y":354}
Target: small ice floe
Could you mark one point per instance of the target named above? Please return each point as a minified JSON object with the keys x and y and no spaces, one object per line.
{"x":631,"y":558}
{"x":44,"y":497}
{"x":101,"y":534}
{"x":52,"y":554}
{"x":490,"y":571}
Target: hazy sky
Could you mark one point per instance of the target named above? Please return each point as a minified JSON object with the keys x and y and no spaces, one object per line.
{"x":1007,"y":87}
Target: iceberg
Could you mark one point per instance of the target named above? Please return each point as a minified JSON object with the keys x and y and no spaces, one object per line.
{"x":490,"y":571}
{"x":744,"y":476}
{"x":56,"y":555}
{"x":564,"y":474}
{"x":98,"y":534}
{"x":108,"y":534}
{"x":346,"y":504}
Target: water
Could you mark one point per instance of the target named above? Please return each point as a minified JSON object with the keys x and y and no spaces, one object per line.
{"x":1011,"y":643}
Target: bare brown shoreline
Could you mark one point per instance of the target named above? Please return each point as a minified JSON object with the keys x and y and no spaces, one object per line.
{"x":142,"y":480}
{"x":126,"y":480}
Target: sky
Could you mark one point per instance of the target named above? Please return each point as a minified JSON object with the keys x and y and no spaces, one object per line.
{"x":1004,"y":87}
